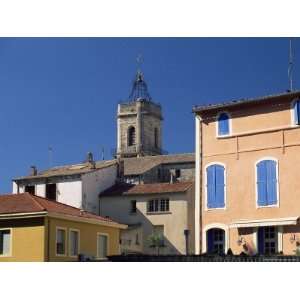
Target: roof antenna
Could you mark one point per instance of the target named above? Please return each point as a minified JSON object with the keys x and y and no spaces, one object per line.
{"x":139,"y":60}
{"x":290,"y":68}
{"x":50,"y":153}
{"x":102,"y":153}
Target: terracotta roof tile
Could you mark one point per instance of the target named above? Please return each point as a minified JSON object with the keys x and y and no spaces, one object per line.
{"x":69,"y":170}
{"x":140,"y":165}
{"x":214,"y":106}
{"x":27,"y":203}
{"x":123,"y":189}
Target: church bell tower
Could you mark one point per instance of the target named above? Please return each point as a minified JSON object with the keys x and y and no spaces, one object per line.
{"x":139,"y":122}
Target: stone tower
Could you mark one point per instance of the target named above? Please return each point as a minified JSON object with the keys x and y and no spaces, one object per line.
{"x":139,"y":123}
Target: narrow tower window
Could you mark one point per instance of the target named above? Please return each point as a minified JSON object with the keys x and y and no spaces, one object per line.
{"x":131,"y":136}
{"x":156,"y":138}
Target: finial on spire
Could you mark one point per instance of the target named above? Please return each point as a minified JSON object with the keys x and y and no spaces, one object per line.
{"x":139,"y":88}
{"x":139,"y":60}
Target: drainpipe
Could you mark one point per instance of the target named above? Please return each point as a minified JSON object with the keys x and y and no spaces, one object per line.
{"x":198,"y":186}
{"x":186,"y":236}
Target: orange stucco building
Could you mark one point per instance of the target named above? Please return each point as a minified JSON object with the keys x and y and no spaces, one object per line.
{"x":247,"y":175}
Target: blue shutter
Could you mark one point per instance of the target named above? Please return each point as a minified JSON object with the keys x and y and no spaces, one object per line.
{"x":211,"y":195}
{"x":210,"y":241}
{"x":297,"y":112}
{"x":223,"y":124}
{"x":260,"y":240}
{"x":271,"y":182}
{"x":261,"y":170}
{"x":220,"y":185}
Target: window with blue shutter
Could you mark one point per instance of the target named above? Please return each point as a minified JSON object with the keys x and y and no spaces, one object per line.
{"x":297,"y":112}
{"x":215,"y":186}
{"x":223,"y":124}
{"x":267,"y":183}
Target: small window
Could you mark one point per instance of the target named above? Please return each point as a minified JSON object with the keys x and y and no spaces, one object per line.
{"x":296,"y":111}
{"x":223,"y":124}
{"x":158,"y":205}
{"x":102,"y":246}
{"x":177,"y":173}
{"x":5,"y":242}
{"x":30,"y":189}
{"x":51,"y":191}
{"x":60,"y":242}
{"x":133,"y":206}
{"x":74,"y":242}
{"x":131,"y":136}
{"x":267,"y":181}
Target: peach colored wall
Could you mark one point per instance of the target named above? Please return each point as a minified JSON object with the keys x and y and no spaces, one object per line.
{"x":240,"y":152}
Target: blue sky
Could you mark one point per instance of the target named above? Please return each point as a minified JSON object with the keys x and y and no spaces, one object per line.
{"x":63,"y":92}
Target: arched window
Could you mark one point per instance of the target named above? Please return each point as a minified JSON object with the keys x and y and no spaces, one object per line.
{"x":215,"y":239}
{"x":156,"y":138}
{"x":131,"y":136}
{"x":267,"y":182}
{"x":223,"y":124}
{"x":215,"y":186}
{"x":296,"y":112}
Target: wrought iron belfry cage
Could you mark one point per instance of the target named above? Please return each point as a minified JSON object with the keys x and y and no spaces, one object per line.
{"x":139,"y":89}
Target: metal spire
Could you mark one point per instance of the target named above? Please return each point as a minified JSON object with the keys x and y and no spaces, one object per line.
{"x":291,"y":65}
{"x":139,"y":88}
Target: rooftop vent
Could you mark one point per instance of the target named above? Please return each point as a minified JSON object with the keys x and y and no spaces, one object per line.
{"x":33,"y":171}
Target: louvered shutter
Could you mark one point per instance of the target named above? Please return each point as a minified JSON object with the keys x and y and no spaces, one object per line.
{"x":223,"y":124}
{"x":211,"y":183}
{"x":297,"y":112}
{"x":271,"y":182}
{"x":261,"y":170}
{"x":220,"y":185}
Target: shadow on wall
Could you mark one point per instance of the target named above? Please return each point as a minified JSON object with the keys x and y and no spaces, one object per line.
{"x":153,"y":240}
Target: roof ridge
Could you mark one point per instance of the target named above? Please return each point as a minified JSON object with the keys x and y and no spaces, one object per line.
{"x":35,"y":201}
{"x":235,"y":101}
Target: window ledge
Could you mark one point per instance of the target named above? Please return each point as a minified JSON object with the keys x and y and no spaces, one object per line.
{"x":158,"y":213}
{"x":268,"y":206}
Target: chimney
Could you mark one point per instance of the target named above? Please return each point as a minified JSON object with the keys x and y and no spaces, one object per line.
{"x":33,"y":171}
{"x":90,"y":160}
{"x":171,"y":177}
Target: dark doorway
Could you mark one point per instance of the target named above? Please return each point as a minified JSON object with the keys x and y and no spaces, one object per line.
{"x":51,"y":191}
{"x":215,"y":241}
{"x":30,"y":189}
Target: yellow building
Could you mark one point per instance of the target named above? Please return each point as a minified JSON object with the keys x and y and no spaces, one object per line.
{"x":36,"y":229}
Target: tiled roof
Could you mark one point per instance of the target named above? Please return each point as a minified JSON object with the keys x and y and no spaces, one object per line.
{"x":27,"y":203}
{"x":232,"y":103}
{"x":123,"y":189}
{"x":75,"y":169}
{"x":132,"y":166}
{"x":140,"y":165}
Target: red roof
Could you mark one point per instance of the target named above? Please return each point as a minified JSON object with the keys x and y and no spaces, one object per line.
{"x":27,"y":203}
{"x":122,"y":189}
